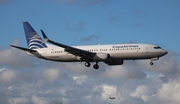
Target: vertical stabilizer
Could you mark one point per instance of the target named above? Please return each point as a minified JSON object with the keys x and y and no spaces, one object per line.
{"x":34,"y":41}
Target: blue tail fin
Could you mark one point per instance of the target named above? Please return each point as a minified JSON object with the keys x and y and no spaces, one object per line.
{"x":34,"y":41}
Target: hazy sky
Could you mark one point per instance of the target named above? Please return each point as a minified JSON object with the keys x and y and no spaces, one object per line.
{"x":27,"y":80}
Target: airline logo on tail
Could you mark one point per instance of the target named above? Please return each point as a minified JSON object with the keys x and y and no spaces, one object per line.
{"x":34,"y":41}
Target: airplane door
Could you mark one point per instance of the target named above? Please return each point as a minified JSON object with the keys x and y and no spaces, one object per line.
{"x":147,"y":49}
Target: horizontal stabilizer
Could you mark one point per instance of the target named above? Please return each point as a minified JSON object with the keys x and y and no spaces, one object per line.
{"x":24,"y":49}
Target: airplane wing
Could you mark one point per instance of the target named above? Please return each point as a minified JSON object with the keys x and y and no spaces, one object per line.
{"x":85,"y":55}
{"x":24,"y":49}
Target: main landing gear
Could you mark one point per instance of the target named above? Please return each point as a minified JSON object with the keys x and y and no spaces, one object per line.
{"x":87,"y":64}
{"x":95,"y":66}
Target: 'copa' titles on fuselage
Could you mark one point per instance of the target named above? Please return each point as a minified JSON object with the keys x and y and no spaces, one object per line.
{"x":125,"y":46}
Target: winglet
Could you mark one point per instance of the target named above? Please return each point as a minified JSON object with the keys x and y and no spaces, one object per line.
{"x":44,"y":36}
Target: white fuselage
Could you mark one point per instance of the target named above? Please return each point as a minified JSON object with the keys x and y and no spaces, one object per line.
{"x":116,"y":51}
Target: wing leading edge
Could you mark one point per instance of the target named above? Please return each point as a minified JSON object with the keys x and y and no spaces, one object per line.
{"x":85,"y":55}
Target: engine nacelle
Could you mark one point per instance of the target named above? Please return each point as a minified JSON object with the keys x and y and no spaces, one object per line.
{"x":101,"y":57}
{"x":115,"y":62}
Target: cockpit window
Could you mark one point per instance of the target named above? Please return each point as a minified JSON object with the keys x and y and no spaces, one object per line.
{"x":157,"y":47}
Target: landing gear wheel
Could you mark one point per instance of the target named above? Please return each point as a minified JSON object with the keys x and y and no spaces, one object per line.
{"x":87,"y":64}
{"x":151,"y":63}
{"x":96,"y":66}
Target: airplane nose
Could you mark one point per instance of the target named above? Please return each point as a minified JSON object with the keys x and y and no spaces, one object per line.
{"x":164,"y":52}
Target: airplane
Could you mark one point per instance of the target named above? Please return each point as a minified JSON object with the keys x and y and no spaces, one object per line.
{"x":111,"y":54}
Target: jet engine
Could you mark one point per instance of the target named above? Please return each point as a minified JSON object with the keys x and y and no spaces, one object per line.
{"x":115,"y":62}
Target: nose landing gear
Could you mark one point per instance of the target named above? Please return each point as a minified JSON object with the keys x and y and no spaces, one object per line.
{"x":153,"y":59}
{"x":151,"y":63}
